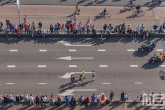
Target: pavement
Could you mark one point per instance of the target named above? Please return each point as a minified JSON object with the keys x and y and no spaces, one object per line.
{"x":56,"y":14}
{"x":81,"y":2}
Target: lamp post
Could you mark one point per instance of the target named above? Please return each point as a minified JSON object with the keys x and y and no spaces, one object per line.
{"x":18,"y":10}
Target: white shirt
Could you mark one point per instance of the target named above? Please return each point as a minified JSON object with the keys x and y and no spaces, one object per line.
{"x":98,"y":96}
{"x":44,"y":99}
{"x":31,"y":98}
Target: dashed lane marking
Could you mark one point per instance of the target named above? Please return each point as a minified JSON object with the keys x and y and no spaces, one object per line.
{"x":13,"y":50}
{"x":72,"y":50}
{"x":130,"y":50}
{"x":41,"y":66}
{"x":159,"y":50}
{"x":11,"y":66}
{"x":43,"y":50}
{"x":42,"y":83}
{"x":101,"y":50}
{"x":72,"y":65}
{"x":10,"y":83}
{"x":162,"y":65}
{"x":138,"y":83}
{"x":103,"y":65}
{"x":106,"y":83}
{"x":133,"y":65}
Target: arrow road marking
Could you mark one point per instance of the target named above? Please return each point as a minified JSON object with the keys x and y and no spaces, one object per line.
{"x":67,"y":75}
{"x":75,"y":58}
{"x":66,"y":43}
{"x":69,"y":92}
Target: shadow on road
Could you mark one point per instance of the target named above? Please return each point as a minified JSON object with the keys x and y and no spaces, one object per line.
{"x":151,"y":65}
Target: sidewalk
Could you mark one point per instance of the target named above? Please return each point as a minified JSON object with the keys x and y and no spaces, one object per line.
{"x":53,"y":14}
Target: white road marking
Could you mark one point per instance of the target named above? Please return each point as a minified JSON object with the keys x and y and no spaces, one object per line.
{"x":66,"y":43}
{"x":103,"y":65}
{"x":11,"y":66}
{"x":138,"y":83}
{"x":101,"y":50}
{"x":133,"y":65}
{"x":159,"y":50}
{"x":71,"y":58}
{"x":106,"y":83}
{"x":72,"y":65}
{"x":10,"y":83}
{"x":72,"y":50}
{"x":67,"y":75}
{"x":41,"y":66}
{"x":69,"y":92}
{"x":131,"y":50}
{"x":13,"y":50}
{"x":43,"y":50}
{"x":162,"y":65}
{"x":42,"y":83}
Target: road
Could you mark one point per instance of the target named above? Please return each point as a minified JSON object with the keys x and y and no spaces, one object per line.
{"x":29,"y":54}
{"x":80,"y":2}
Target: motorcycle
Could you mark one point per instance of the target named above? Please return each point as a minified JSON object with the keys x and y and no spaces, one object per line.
{"x":145,"y":47}
{"x":155,"y":59}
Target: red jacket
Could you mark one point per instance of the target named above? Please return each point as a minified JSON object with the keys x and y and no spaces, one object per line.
{"x":72,"y":26}
{"x":87,"y":100}
{"x":26,"y":26}
{"x":18,"y":31}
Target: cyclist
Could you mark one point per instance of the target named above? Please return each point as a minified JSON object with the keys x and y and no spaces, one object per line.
{"x":130,"y":3}
{"x":138,"y":8}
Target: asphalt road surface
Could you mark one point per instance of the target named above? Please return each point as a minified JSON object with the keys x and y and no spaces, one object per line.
{"x":81,"y":2}
{"x":32,"y":66}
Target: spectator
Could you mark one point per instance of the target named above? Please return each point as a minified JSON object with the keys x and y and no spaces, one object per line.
{"x":73,"y":102}
{"x":93,"y":97}
{"x":87,"y":100}
{"x":17,"y":98}
{"x":33,"y":26}
{"x":116,"y":29}
{"x":7,"y":23}
{"x":142,"y":96}
{"x":1,"y":25}
{"x":110,"y":27}
{"x":155,"y":27}
{"x":142,"y":28}
{"x":67,"y":100}
{"x":133,"y":34}
{"x":101,"y":34}
{"x":31,"y":98}
{"x":75,"y":18}
{"x":26,"y":98}
{"x":98,"y":98}
{"x":122,"y":96}
{"x":161,"y":29}
{"x":18,"y":33}
{"x":11,"y":28}
{"x":25,"y":19}
{"x":47,"y":33}
{"x":81,"y":98}
{"x":123,"y":26}
{"x":94,"y":31}
{"x":52,"y":100}
{"x":80,"y":27}
{"x":21,"y":27}
{"x":93,"y":74}
{"x":137,"y":99}
{"x":26,"y":27}
{"x":89,"y":21}
{"x":5,"y":99}
{"x":103,"y":99}
{"x":30,"y":29}
{"x":111,"y":96}
{"x":44,"y":99}
{"x":83,"y":29}
{"x":108,"y":34}
{"x":145,"y":34}
{"x":1,"y":99}
{"x":67,"y":27}
{"x":137,"y":29}
{"x":104,"y":28}
{"x":88,"y":28}
{"x":51,"y":28}
{"x":71,"y":27}
{"x":120,"y":28}
{"x":40,"y":25}
{"x":59,"y":99}
{"x":10,"y":98}
{"x":22,"y":98}
{"x":75,"y":33}
{"x":15,"y":28}
{"x":7,"y":33}
{"x":37,"y":101}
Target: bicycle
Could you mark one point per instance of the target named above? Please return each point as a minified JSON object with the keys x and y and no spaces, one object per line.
{"x":142,"y":13}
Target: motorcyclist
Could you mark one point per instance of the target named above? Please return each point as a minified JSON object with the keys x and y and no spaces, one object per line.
{"x":160,"y":56}
{"x":138,"y":8}
{"x":150,"y":44}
